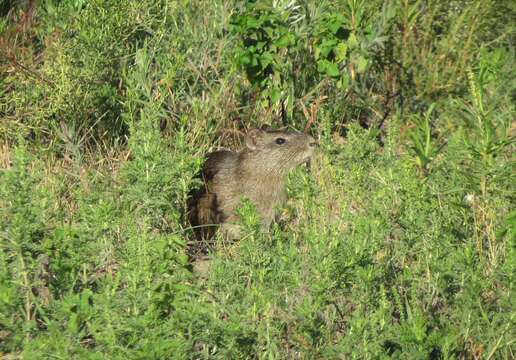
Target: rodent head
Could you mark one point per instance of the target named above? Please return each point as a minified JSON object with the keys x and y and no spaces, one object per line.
{"x":280,"y":150}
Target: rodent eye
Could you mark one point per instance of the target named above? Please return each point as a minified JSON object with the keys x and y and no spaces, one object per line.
{"x":280,"y":141}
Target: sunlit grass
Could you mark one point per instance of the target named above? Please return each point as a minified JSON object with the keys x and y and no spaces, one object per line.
{"x":397,"y":241}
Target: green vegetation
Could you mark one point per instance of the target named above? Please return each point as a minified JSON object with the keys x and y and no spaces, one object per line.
{"x":399,"y":241}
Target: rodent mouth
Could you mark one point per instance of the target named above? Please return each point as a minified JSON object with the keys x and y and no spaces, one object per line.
{"x":307,"y":160}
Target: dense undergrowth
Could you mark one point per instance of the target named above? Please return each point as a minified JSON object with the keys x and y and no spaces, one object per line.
{"x":398,"y":242}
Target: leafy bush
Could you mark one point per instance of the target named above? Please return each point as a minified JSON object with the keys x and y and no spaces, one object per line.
{"x":397,"y":242}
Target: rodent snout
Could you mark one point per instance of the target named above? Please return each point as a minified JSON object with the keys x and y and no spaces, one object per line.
{"x":313,"y":143}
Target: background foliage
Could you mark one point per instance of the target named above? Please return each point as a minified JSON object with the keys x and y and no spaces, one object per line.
{"x":399,"y":242}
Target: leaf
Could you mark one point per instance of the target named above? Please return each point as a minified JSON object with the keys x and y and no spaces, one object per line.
{"x":252,"y":23}
{"x":343,"y":81}
{"x":244,"y":58}
{"x":275,"y":95}
{"x":260,"y":44}
{"x":352,"y":41}
{"x":327,"y":67}
{"x":285,"y":41}
{"x":326,"y":46}
{"x":340,"y":51}
{"x":362,"y":63}
{"x":336,"y":22}
{"x":254,"y":60}
{"x":332,"y":69}
{"x":266,"y":59}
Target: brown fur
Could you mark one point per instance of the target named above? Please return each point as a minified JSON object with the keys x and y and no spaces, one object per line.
{"x":256,"y":172}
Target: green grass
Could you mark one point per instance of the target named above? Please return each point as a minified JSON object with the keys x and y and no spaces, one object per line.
{"x":398,"y":242}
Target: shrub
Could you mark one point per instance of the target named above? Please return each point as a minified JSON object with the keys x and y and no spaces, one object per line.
{"x":396,"y":242}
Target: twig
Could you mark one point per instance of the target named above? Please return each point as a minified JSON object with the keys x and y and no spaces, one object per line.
{"x":314,"y":109}
{"x":26,"y":69}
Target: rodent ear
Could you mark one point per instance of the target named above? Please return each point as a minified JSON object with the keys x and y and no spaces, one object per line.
{"x":266,"y":127}
{"x":252,"y":138}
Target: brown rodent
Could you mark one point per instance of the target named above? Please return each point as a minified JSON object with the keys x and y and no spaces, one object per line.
{"x":257,"y":172}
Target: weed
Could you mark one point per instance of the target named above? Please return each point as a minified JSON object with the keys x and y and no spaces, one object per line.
{"x":397,"y":242}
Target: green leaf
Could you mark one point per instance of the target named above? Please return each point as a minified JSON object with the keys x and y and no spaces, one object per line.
{"x":327,"y":67}
{"x":244,"y":59}
{"x":266,"y":59}
{"x":285,"y":41}
{"x":352,"y":41}
{"x":343,"y":82}
{"x":254,"y":60}
{"x":340,"y":51}
{"x":362,"y":63}
{"x":252,"y":23}
{"x":275,"y":95}
{"x":326,"y":46}
{"x":336,"y":22}
{"x":332,"y":69}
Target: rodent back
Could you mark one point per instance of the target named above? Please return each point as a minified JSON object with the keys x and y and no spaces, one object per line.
{"x":203,"y":205}
{"x":216,"y":161}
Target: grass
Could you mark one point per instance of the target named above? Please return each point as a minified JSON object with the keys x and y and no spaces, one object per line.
{"x":397,"y":242}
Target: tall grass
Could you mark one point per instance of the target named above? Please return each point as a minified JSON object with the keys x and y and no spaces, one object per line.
{"x":397,"y":242}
